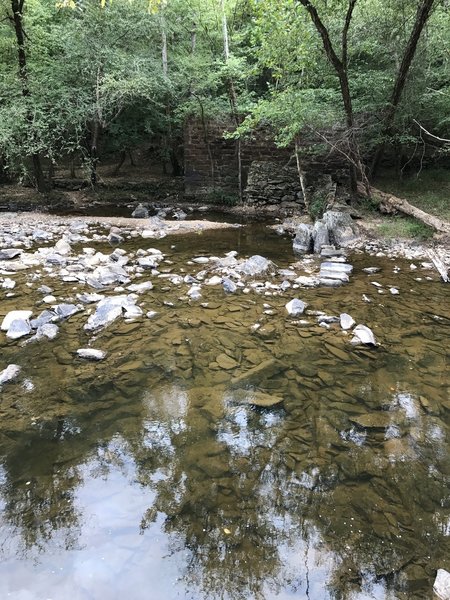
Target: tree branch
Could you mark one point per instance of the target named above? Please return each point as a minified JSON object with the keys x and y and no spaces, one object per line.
{"x":332,"y":56}
{"x":435,"y":137}
{"x":348,"y":19}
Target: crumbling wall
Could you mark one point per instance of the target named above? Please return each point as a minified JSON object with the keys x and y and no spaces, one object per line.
{"x":212,"y":162}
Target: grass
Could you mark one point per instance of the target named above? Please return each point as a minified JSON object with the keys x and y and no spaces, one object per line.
{"x":430,"y":190}
{"x":404,"y":227}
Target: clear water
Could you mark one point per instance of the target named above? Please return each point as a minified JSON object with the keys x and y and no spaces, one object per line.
{"x":149,"y":476}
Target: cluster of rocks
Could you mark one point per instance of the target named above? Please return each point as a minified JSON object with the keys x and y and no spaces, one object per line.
{"x":335,"y":230}
{"x":361,"y":333}
{"x":144,"y":211}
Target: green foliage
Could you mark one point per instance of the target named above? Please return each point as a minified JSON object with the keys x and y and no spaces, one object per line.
{"x":405,"y":227}
{"x":317,"y":206}
{"x":92,"y":62}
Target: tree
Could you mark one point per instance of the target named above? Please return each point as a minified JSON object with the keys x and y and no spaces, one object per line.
{"x":422,"y":16}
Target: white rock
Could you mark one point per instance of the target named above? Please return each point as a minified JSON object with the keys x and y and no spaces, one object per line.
{"x":63,"y":247}
{"x":91,"y":354}
{"x":18,"y":328}
{"x":394,"y":291}
{"x":140,"y":287}
{"x":15,"y":315}
{"x":442,"y":584}
{"x":49,"y":299}
{"x":363,"y":335}
{"x":214,"y":280}
{"x":151,"y":314}
{"x":8,"y":284}
{"x":347,"y":321}
{"x":295,"y":307}
{"x":9,"y":374}
{"x":201,"y":260}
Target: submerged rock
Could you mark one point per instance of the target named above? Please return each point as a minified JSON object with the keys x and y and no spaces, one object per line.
{"x":9,"y":374}
{"x":263,"y":399}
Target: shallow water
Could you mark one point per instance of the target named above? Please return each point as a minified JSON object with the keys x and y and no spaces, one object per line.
{"x":150,"y":476}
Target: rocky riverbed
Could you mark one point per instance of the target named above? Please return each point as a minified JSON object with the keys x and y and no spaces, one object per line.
{"x":217,"y":402}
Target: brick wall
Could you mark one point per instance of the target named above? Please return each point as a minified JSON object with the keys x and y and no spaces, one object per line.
{"x":211,"y":162}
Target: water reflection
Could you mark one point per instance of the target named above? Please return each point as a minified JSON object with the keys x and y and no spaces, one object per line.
{"x":153,"y":476}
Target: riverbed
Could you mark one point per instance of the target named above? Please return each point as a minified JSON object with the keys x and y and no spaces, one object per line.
{"x":222,"y":447}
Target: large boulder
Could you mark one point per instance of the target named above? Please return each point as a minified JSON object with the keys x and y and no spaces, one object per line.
{"x":341,"y":227}
{"x":320,"y":236}
{"x":303,"y":239}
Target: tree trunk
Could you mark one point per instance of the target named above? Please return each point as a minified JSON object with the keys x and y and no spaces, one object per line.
{"x":391,"y":204}
{"x":17,"y":8}
{"x":423,"y":13}
{"x":233,"y":97}
{"x":94,"y":151}
{"x":302,"y":178}
{"x":123,"y":156}
{"x":340,"y":66}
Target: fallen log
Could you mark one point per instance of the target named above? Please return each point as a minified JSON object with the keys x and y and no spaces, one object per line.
{"x":439,"y":264}
{"x":391,"y":204}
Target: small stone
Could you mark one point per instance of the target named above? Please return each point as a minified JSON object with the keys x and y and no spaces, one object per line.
{"x":139,"y":288}
{"x":9,"y":374}
{"x":441,"y":585}
{"x":201,"y":260}
{"x":8,"y":284}
{"x":9,"y":253}
{"x":13,"y":316}
{"x":214,"y":280}
{"x":229,"y":286}
{"x":226,"y":362}
{"x":363,"y":335}
{"x":48,"y":330}
{"x":18,"y":328}
{"x":347,"y":321}
{"x":394,"y":291}
{"x":49,"y":299}
{"x":295,"y":307}
{"x":91,"y":354}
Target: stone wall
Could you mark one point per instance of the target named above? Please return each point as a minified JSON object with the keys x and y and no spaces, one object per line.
{"x":211,"y":162}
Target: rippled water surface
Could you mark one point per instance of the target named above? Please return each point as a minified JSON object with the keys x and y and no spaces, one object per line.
{"x":150,"y":476}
